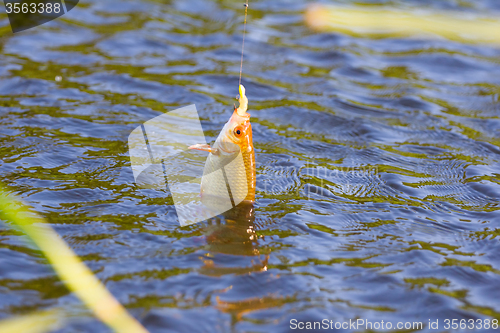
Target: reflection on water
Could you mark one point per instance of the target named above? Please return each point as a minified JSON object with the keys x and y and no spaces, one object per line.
{"x":234,"y":235}
{"x":377,"y":167}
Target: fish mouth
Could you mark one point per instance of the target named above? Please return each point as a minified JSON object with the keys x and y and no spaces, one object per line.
{"x":236,"y":117}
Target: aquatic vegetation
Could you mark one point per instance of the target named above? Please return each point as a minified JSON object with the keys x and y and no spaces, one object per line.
{"x":39,"y":322}
{"x":386,"y":22}
{"x":76,"y":276}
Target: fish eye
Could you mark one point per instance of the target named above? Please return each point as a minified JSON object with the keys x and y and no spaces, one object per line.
{"x":238,"y":131}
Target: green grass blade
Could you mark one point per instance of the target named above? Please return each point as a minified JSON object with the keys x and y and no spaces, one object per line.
{"x":39,"y":322}
{"x":77,"y":277}
{"x":387,"y":22}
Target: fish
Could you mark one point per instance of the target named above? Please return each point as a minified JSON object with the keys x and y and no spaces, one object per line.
{"x":233,"y":153}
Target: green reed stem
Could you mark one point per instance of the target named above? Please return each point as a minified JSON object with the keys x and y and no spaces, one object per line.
{"x":77,"y":277}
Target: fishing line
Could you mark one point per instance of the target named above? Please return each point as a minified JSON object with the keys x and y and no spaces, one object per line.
{"x":243,"y":43}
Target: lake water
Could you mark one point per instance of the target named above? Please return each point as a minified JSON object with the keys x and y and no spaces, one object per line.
{"x":377,"y":167}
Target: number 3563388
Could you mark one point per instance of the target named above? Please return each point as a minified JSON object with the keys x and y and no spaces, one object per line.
{"x":32,"y":8}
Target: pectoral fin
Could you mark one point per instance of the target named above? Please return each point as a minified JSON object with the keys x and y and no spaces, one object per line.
{"x":201,"y":146}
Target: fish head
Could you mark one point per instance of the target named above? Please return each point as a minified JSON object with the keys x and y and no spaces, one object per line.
{"x":236,"y":135}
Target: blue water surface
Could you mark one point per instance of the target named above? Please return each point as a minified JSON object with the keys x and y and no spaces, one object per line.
{"x":378,"y":165}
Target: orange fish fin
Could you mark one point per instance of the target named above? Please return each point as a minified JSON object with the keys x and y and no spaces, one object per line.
{"x":201,"y":146}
